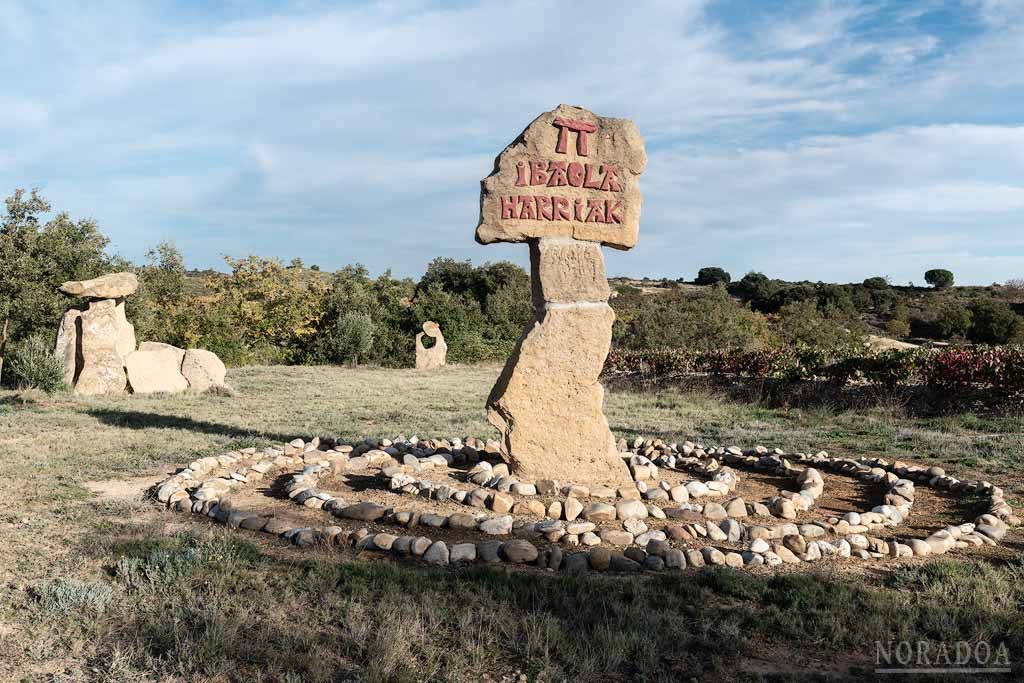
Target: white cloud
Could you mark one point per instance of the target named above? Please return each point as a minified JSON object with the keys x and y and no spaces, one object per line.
{"x":360,"y":132}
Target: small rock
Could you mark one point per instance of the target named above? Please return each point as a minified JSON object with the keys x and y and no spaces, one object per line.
{"x":519,"y":551}
{"x":437,"y":553}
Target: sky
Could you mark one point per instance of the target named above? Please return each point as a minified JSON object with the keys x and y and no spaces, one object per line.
{"x":807,"y":140}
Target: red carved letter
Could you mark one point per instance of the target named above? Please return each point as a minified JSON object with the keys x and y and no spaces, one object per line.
{"x":543,"y":207}
{"x":562,"y":210}
{"x":576,"y":174}
{"x":578,"y":214}
{"x":589,"y":181}
{"x":508,"y":207}
{"x":557,"y":171}
{"x":614,"y":211}
{"x":526,"y":208}
{"x":596,"y":211}
{"x":611,"y":177}
{"x":520,"y":174}
{"x":537,"y":174}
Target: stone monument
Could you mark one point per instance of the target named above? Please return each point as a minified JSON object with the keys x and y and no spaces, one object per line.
{"x":436,"y":356}
{"x":568,"y":185}
{"x":95,"y":341}
{"x":97,"y":344}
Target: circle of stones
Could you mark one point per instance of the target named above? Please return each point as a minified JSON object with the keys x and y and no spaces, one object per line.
{"x":205,"y":485}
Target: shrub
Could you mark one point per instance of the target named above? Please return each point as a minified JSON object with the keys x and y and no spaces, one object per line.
{"x":939,"y":278}
{"x":351,"y":339}
{"x":898,"y":328}
{"x":758,"y":290}
{"x":953,"y":320}
{"x":713,"y":275}
{"x":801,"y":323}
{"x":69,"y":595}
{"x":994,"y":322}
{"x":876,"y":283}
{"x":36,"y":366}
{"x":703,"y":321}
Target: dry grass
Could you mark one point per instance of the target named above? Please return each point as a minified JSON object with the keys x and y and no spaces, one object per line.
{"x":98,"y":584}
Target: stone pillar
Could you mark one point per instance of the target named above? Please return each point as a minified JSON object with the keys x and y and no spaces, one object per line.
{"x":567,"y":186}
{"x":548,"y":403}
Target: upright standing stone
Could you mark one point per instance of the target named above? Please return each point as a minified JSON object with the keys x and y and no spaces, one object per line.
{"x":436,"y":356}
{"x":102,"y":370}
{"x":69,"y":344}
{"x":567,"y":185}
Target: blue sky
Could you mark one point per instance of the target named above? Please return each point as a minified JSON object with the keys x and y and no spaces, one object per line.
{"x":808,"y":140}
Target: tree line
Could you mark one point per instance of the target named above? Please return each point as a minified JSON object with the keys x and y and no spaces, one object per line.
{"x":263,"y":310}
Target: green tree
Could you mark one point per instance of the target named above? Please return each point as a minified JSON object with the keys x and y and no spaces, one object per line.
{"x":994,"y":322}
{"x":352,"y":338}
{"x":712,"y":275}
{"x":275,"y":308}
{"x":801,"y":323}
{"x":939,"y":278}
{"x":953,"y":320}
{"x":876,"y":282}
{"x":707,"y":321}
{"x":161,"y":304}
{"x":35,"y":258}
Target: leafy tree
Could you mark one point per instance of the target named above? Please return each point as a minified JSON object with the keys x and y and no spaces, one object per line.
{"x":876,"y":282}
{"x":994,"y":322}
{"x":758,"y":290}
{"x":712,"y":275}
{"x":352,"y":338}
{"x":705,"y":322}
{"x":939,"y":278}
{"x":953,"y":320}
{"x":801,"y":323}
{"x":159,"y":306}
{"x":897,"y":328}
{"x":276,"y":308}
{"x":35,"y":258}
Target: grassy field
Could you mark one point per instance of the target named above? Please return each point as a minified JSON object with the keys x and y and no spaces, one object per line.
{"x":99,"y":584}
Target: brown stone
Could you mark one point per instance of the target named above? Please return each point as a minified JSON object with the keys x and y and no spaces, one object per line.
{"x":160,"y":346}
{"x":568,"y":271}
{"x":203,"y":369}
{"x":565,"y":200}
{"x":69,"y":348}
{"x":154,"y":371}
{"x":568,"y":180}
{"x":548,"y":402}
{"x":102,"y":369}
{"x":112,"y":286}
{"x":436,"y":356}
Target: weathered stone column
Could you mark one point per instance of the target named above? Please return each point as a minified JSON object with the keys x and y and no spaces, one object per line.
{"x":566,"y":200}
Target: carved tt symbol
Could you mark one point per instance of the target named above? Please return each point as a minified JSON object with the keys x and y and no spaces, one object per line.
{"x":581,"y":128}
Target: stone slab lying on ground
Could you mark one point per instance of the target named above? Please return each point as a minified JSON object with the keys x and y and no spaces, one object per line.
{"x":154,"y":371}
{"x":203,"y":369}
{"x":160,"y":346}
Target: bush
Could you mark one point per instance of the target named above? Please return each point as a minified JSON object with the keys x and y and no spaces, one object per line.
{"x":876,"y":283}
{"x":953,"y":320}
{"x":713,"y":275}
{"x":352,"y":338}
{"x":898,"y":328}
{"x":703,"y":321}
{"x":801,"y":323}
{"x":36,"y":366}
{"x":939,"y":278}
{"x":71,"y":595}
{"x":994,"y":322}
